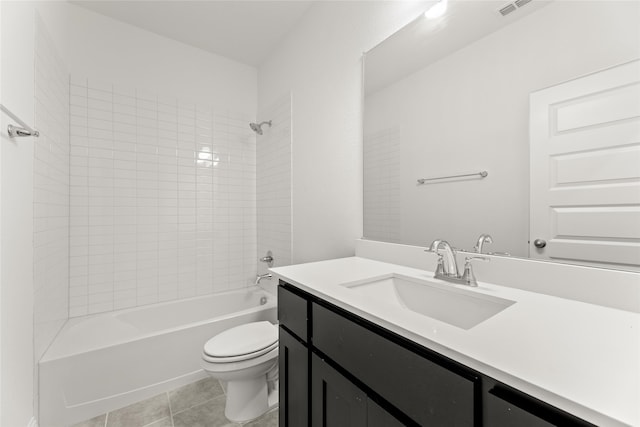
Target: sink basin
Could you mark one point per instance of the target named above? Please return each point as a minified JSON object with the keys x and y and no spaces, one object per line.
{"x":444,"y":302}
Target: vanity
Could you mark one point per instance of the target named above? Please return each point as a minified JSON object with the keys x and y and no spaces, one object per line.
{"x":352,"y":353}
{"x":519,"y":129}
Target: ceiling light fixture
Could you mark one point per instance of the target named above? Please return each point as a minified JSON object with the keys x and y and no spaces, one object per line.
{"x":437,"y":10}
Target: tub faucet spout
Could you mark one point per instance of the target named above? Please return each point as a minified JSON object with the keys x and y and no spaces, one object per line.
{"x":259,"y":277}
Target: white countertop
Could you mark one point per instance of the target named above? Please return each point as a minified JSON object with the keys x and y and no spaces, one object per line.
{"x":580,"y":357}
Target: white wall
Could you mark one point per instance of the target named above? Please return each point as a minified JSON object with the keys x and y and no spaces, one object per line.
{"x":320,"y":64}
{"x":101,"y":48}
{"x":50,"y":195}
{"x":1,"y":258}
{"x":273,"y":186}
{"x":16,"y":180}
{"x":470,"y":111}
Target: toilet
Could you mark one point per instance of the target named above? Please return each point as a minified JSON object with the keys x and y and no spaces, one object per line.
{"x":246,"y":358}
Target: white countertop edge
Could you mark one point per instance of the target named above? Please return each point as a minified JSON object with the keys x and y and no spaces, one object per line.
{"x":548,"y":396}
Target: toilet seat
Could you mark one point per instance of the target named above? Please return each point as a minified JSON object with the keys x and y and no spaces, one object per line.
{"x":246,"y":359}
{"x":217,"y":364}
{"x":242,"y":342}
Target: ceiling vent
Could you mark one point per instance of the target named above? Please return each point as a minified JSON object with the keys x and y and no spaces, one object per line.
{"x":521,"y":3}
{"x":504,"y":11}
{"x":512,"y":7}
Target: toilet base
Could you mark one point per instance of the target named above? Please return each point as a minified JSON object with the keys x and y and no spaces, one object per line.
{"x":274,"y":397}
{"x":249,"y":399}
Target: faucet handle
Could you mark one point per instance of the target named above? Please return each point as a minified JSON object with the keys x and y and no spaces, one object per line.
{"x":268,"y":259}
{"x":499,"y":253}
{"x":468,"y":277}
{"x":468,"y":259}
{"x":440,"y":267}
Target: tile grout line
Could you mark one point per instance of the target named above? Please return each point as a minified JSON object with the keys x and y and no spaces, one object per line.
{"x":170,"y":409}
{"x":197,"y":404}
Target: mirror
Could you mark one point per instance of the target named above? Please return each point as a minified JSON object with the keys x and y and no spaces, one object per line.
{"x":450,"y":96}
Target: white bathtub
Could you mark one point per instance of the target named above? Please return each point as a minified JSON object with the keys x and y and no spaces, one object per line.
{"x":102,"y":362}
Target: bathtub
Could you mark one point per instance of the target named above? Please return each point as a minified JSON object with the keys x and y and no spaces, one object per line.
{"x":102,"y":362}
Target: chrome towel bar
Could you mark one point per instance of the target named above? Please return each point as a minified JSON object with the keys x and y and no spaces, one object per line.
{"x":482,"y":174}
{"x":14,"y":131}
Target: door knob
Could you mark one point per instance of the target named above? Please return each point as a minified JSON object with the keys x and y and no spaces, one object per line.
{"x":539,"y":243}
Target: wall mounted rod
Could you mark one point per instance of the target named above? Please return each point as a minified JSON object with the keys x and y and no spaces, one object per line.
{"x":482,"y":174}
{"x":14,"y":131}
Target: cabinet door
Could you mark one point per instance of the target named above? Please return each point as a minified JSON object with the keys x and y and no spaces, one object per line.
{"x":335,"y":401}
{"x":378,"y":417}
{"x":294,"y":381}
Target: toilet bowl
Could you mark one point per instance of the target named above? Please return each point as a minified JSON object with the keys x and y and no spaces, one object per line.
{"x":246,"y":358}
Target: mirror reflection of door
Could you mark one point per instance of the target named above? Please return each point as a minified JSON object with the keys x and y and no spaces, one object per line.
{"x":585,"y":169}
{"x":451,"y":96}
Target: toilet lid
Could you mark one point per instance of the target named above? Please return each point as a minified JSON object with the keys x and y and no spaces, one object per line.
{"x":243,"y":340}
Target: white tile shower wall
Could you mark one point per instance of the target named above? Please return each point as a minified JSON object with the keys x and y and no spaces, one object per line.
{"x":382,"y":185}
{"x":50,"y":193}
{"x":274,"y":184}
{"x":162,"y":198}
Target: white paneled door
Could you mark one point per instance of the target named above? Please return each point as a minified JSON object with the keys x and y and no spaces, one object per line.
{"x":585,"y":169}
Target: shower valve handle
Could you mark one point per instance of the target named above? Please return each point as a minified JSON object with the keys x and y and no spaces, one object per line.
{"x":268,"y":258}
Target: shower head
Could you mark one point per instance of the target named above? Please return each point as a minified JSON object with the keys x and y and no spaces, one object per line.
{"x":257,"y":127}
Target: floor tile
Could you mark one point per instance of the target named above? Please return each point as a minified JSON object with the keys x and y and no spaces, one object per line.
{"x":93,"y":422}
{"x":140,"y":414}
{"x":194,"y":394}
{"x":270,"y":419}
{"x":165,"y":422}
{"x":208,"y":414}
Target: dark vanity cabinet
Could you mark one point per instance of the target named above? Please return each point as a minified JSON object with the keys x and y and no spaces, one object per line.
{"x":339,"y":370}
{"x":336,"y":401}
{"x":293,"y":359}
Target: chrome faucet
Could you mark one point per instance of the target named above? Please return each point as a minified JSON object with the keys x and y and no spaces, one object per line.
{"x":447,"y":264}
{"x":259,"y":277}
{"x":447,"y":268}
{"x":484,"y":238}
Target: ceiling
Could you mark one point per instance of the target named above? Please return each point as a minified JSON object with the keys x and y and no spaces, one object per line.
{"x":424,"y":41}
{"x":245,"y":31}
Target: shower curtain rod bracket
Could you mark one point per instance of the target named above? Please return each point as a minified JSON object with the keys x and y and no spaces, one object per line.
{"x":15,"y":131}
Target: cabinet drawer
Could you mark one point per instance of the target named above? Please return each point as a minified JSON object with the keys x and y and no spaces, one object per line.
{"x":501,"y":413}
{"x":293,"y":312}
{"x":505,"y":407}
{"x":427,"y":392}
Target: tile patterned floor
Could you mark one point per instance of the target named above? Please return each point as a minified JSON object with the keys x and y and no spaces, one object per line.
{"x":200,"y":404}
